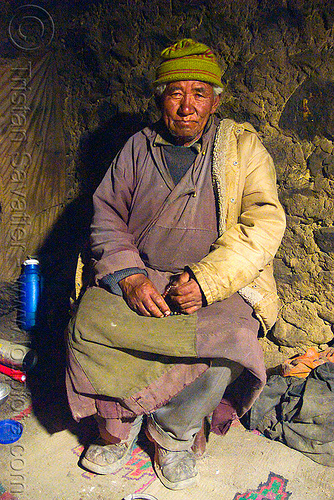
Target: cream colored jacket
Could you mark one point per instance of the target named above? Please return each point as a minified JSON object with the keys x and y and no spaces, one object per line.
{"x":251,"y":223}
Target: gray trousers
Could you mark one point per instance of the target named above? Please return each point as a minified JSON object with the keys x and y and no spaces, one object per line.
{"x":175,"y":425}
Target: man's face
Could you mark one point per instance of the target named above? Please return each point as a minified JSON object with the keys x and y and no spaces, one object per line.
{"x":186,"y":107}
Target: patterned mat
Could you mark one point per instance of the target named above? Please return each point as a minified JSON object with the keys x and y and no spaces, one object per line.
{"x":273,"y":489}
{"x":5,"y":495}
{"x":138,"y":469}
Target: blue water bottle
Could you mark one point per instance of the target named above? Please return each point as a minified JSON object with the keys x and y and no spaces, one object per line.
{"x":30,"y":290}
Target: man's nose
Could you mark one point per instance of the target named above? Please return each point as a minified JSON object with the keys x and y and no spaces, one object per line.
{"x":186,"y":105}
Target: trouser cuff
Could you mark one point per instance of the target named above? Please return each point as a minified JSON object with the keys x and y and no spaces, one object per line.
{"x":164,"y":439}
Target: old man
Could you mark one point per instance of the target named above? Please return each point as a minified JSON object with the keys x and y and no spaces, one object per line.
{"x":186,"y":225}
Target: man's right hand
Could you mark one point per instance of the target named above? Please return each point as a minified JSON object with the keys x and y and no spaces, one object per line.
{"x":142,"y":297}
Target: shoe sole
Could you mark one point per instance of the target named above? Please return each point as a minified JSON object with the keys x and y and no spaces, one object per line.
{"x":107,"y":469}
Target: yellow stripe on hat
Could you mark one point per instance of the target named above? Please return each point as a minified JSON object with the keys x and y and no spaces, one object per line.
{"x":188,"y":60}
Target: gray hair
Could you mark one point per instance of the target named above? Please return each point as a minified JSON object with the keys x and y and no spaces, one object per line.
{"x":160,"y":89}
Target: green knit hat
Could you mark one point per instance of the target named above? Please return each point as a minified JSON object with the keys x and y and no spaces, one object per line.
{"x":188,"y":60}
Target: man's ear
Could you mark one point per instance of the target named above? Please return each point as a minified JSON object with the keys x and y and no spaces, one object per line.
{"x":216,"y":103}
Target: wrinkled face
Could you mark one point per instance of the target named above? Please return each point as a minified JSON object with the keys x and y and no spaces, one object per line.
{"x":186,"y":107}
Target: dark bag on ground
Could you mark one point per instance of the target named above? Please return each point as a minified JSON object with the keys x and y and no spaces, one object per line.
{"x":299,"y":413}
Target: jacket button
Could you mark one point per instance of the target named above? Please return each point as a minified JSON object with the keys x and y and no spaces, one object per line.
{"x":232,"y":200}
{"x":235,"y":163}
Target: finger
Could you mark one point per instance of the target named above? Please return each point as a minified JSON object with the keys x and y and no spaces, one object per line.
{"x":187,"y":305}
{"x":182,"y":286}
{"x":155,"y":311}
{"x":162,"y":305}
{"x":182,"y":278}
{"x":138,"y":307}
{"x":190,"y":310}
{"x":149,"y":309}
{"x":187,"y":299}
{"x":155,"y":306}
{"x":182,"y":300}
{"x":186,"y":288}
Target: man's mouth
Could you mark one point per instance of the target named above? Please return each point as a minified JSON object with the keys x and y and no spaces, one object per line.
{"x":186,"y":122}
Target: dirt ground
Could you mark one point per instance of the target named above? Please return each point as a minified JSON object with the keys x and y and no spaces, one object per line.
{"x":45,"y":462}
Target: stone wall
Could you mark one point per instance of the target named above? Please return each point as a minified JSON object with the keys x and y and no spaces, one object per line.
{"x":278,"y":62}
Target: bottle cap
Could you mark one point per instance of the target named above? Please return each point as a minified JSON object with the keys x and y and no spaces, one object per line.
{"x":10,"y":431}
{"x":30,"y":262}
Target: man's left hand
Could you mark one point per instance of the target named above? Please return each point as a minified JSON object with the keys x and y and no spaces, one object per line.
{"x":186,"y":294}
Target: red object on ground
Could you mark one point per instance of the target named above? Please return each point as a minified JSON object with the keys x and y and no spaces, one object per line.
{"x":15,"y":374}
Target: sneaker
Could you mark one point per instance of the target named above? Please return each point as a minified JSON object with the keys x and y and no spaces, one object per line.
{"x":107,"y":458}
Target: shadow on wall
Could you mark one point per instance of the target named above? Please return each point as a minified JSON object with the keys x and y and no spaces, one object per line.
{"x":98,"y":148}
{"x":310,"y":110}
{"x":58,"y":259}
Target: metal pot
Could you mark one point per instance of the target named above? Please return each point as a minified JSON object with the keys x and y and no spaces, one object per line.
{"x":4,"y":392}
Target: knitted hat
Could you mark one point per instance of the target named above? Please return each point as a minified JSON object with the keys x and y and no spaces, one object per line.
{"x":188,"y":60}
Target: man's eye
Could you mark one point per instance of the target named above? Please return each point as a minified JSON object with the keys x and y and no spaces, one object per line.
{"x":198,"y":95}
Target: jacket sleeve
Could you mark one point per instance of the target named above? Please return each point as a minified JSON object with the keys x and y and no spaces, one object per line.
{"x":111,"y":242}
{"x":241,"y":253}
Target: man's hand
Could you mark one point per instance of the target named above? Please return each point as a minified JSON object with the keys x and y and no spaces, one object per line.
{"x":142,"y":297}
{"x":186,"y":294}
